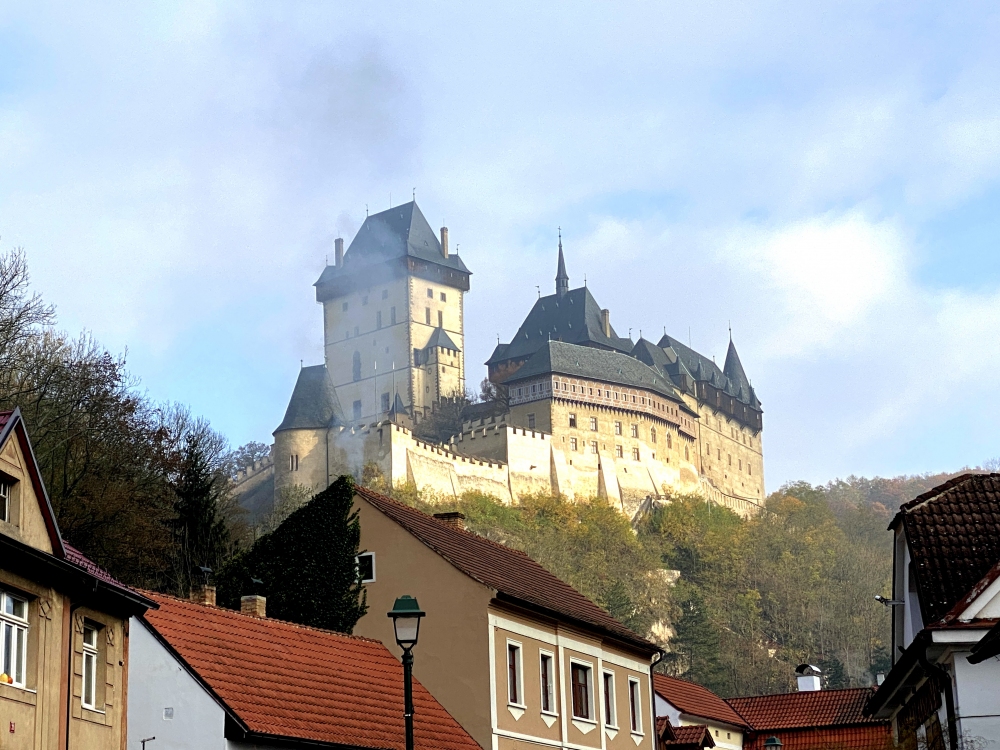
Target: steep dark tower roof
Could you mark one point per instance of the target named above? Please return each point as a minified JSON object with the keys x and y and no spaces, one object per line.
{"x":705,"y":370}
{"x":397,"y":234}
{"x":562,"y":278}
{"x":734,"y":371}
{"x":441,"y":338}
{"x":314,"y":403}
{"x":575,"y":317}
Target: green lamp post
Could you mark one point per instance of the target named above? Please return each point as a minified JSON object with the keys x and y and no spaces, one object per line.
{"x":406,"y":614}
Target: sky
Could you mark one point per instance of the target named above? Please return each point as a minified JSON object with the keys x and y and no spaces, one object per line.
{"x":822,"y":177}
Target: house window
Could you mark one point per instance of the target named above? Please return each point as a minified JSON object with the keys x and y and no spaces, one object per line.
{"x":572,"y":420}
{"x":392,"y":315}
{"x":440,"y":319}
{"x":572,"y":444}
{"x":635,"y":454}
{"x":635,"y":430}
{"x":366,"y":567}
{"x":652,"y":435}
{"x":444,"y":297}
{"x":531,"y":421}
{"x":356,"y":366}
{"x":293,"y":462}
{"x":89,"y":696}
{"x":385,"y":401}
{"x":4,"y":501}
{"x":593,"y":446}
{"x":344,"y":307}
{"x":514,"y":686}
{"x":580,"y":680}
{"x":427,"y":315}
{"x":609,"y":700}
{"x":378,"y":319}
{"x":357,"y":410}
{"x":385,"y":294}
{"x":619,"y":453}
{"x":618,"y":428}
{"x":548,"y":687}
{"x":593,"y":424}
{"x":635,"y":705}
{"x":13,"y":636}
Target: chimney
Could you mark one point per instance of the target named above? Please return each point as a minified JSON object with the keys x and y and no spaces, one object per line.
{"x":254,"y":605}
{"x":453,"y":518}
{"x":338,"y":252}
{"x":444,"y":241}
{"x":203,"y":595}
{"x":808,"y":678}
{"x":606,"y":322}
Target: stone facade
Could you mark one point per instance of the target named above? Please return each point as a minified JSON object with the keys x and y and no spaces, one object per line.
{"x":585,"y":412}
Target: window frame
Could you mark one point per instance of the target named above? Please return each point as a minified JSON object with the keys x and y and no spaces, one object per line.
{"x":588,"y":668}
{"x":18,"y":628}
{"x":358,"y":564}
{"x":6,"y":491}
{"x":91,"y":653}
{"x":572,"y":419}
{"x":618,"y":427}
{"x":573,"y":445}
{"x":610,"y":700}
{"x":550,"y":685}
{"x":635,"y":706}
{"x":515,"y":680}
{"x":593,"y":424}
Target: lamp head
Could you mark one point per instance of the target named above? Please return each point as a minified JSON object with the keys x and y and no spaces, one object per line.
{"x":406,"y":614}
{"x":772,"y":743}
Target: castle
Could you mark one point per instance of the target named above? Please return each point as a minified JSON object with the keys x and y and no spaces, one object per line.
{"x":580,"y":411}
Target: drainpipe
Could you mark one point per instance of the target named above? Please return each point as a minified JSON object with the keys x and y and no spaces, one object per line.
{"x":661,"y":655}
{"x":949,"y":698}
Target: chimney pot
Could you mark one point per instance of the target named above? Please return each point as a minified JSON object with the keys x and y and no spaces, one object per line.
{"x":254,"y":605}
{"x":444,"y":241}
{"x":203,"y":595}
{"x":454,"y":518}
{"x":606,"y":322}
{"x":338,"y":252}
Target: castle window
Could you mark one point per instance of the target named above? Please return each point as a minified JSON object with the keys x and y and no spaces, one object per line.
{"x":718,"y":454}
{"x":364,"y":300}
{"x":357,"y":330}
{"x":652,"y":434}
{"x":392,"y":315}
{"x":430,"y":293}
{"x":444,"y":297}
{"x":635,"y":430}
{"x":357,"y":410}
{"x":593,"y":424}
{"x":344,"y":307}
{"x":573,"y":389}
{"x":440,"y":319}
{"x":633,"y":398}
{"x":687,"y":455}
{"x":670,"y":441}
{"x":619,"y":452}
{"x":533,"y":387}
{"x":293,"y":462}
{"x":573,"y":444}
{"x":618,"y":428}
{"x":531,"y":421}
{"x":385,"y":294}
{"x":356,"y":367}
{"x":378,"y":319}
{"x":572,"y":420}
{"x":730,"y":456}
{"x":741,"y":465}
{"x":427,"y":315}
{"x":749,"y":470}
{"x":635,"y":454}
{"x":385,"y":402}
{"x":518,"y":391}
{"x":593,"y":446}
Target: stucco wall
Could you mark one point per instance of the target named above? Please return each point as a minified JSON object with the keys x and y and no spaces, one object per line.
{"x":157,"y":682}
{"x":977,"y":698}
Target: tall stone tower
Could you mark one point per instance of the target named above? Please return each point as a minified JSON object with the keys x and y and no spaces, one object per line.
{"x":393,"y":317}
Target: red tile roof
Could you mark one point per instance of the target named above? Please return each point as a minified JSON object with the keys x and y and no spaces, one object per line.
{"x":953,"y":532}
{"x":4,"y":416}
{"x":689,"y":737}
{"x":807,"y":709}
{"x":80,"y":560}
{"x":842,"y":738}
{"x":293,"y":681}
{"x":694,"y":700}
{"x":507,"y":571}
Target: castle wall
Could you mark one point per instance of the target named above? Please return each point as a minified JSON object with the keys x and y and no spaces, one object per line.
{"x":300,"y":458}
{"x":731,"y":455}
{"x":430,"y":304}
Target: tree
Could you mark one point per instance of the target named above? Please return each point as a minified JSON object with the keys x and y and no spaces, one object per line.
{"x":308,"y":565}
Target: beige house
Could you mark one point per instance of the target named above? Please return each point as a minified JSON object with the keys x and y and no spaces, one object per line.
{"x":63,"y":621}
{"x":517,"y":656}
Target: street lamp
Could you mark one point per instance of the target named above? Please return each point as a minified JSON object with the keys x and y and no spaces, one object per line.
{"x":772,"y":743}
{"x":406,"y":614}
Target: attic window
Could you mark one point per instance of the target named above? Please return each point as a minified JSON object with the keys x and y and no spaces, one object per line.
{"x":4,"y":501}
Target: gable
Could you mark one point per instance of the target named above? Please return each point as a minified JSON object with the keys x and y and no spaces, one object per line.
{"x":32,"y":520}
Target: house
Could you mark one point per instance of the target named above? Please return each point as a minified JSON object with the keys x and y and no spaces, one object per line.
{"x":517,"y":656}
{"x":686,"y":703}
{"x":64,"y":648}
{"x":682,"y":738}
{"x":203,"y":677}
{"x":942,"y":688}
{"x":813,"y":719}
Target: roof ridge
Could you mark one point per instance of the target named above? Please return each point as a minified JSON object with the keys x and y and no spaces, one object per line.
{"x":236,"y":613}
{"x":824,"y":691}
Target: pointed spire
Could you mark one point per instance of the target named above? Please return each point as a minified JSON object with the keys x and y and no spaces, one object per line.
{"x":733,"y":368}
{"x":562,"y":278}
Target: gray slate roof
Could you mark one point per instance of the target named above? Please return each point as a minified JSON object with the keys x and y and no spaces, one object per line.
{"x":441,"y":338}
{"x":395,"y":233}
{"x":314,"y":403}
{"x":599,"y":364}
{"x":705,"y":370}
{"x":574,"y":317}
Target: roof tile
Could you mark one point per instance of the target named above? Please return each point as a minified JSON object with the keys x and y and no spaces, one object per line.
{"x":694,"y":700}
{"x":806,"y":709}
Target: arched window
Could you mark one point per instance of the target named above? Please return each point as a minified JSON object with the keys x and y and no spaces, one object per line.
{"x":356,"y":366}
{"x":652,"y":434}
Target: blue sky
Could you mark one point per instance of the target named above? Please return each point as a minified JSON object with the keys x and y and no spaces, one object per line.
{"x":825,"y":176}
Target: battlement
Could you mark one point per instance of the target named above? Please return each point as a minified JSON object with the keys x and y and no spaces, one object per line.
{"x":249,"y":472}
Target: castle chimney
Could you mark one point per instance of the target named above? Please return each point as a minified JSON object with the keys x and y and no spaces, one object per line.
{"x":338,"y":252}
{"x":454,"y":518}
{"x":203,"y":595}
{"x":606,"y":322}
{"x":444,"y":241}
{"x":254,"y":605}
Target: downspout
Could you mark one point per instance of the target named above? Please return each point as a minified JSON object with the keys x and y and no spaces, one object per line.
{"x":949,"y":698}
{"x":661,"y":655}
